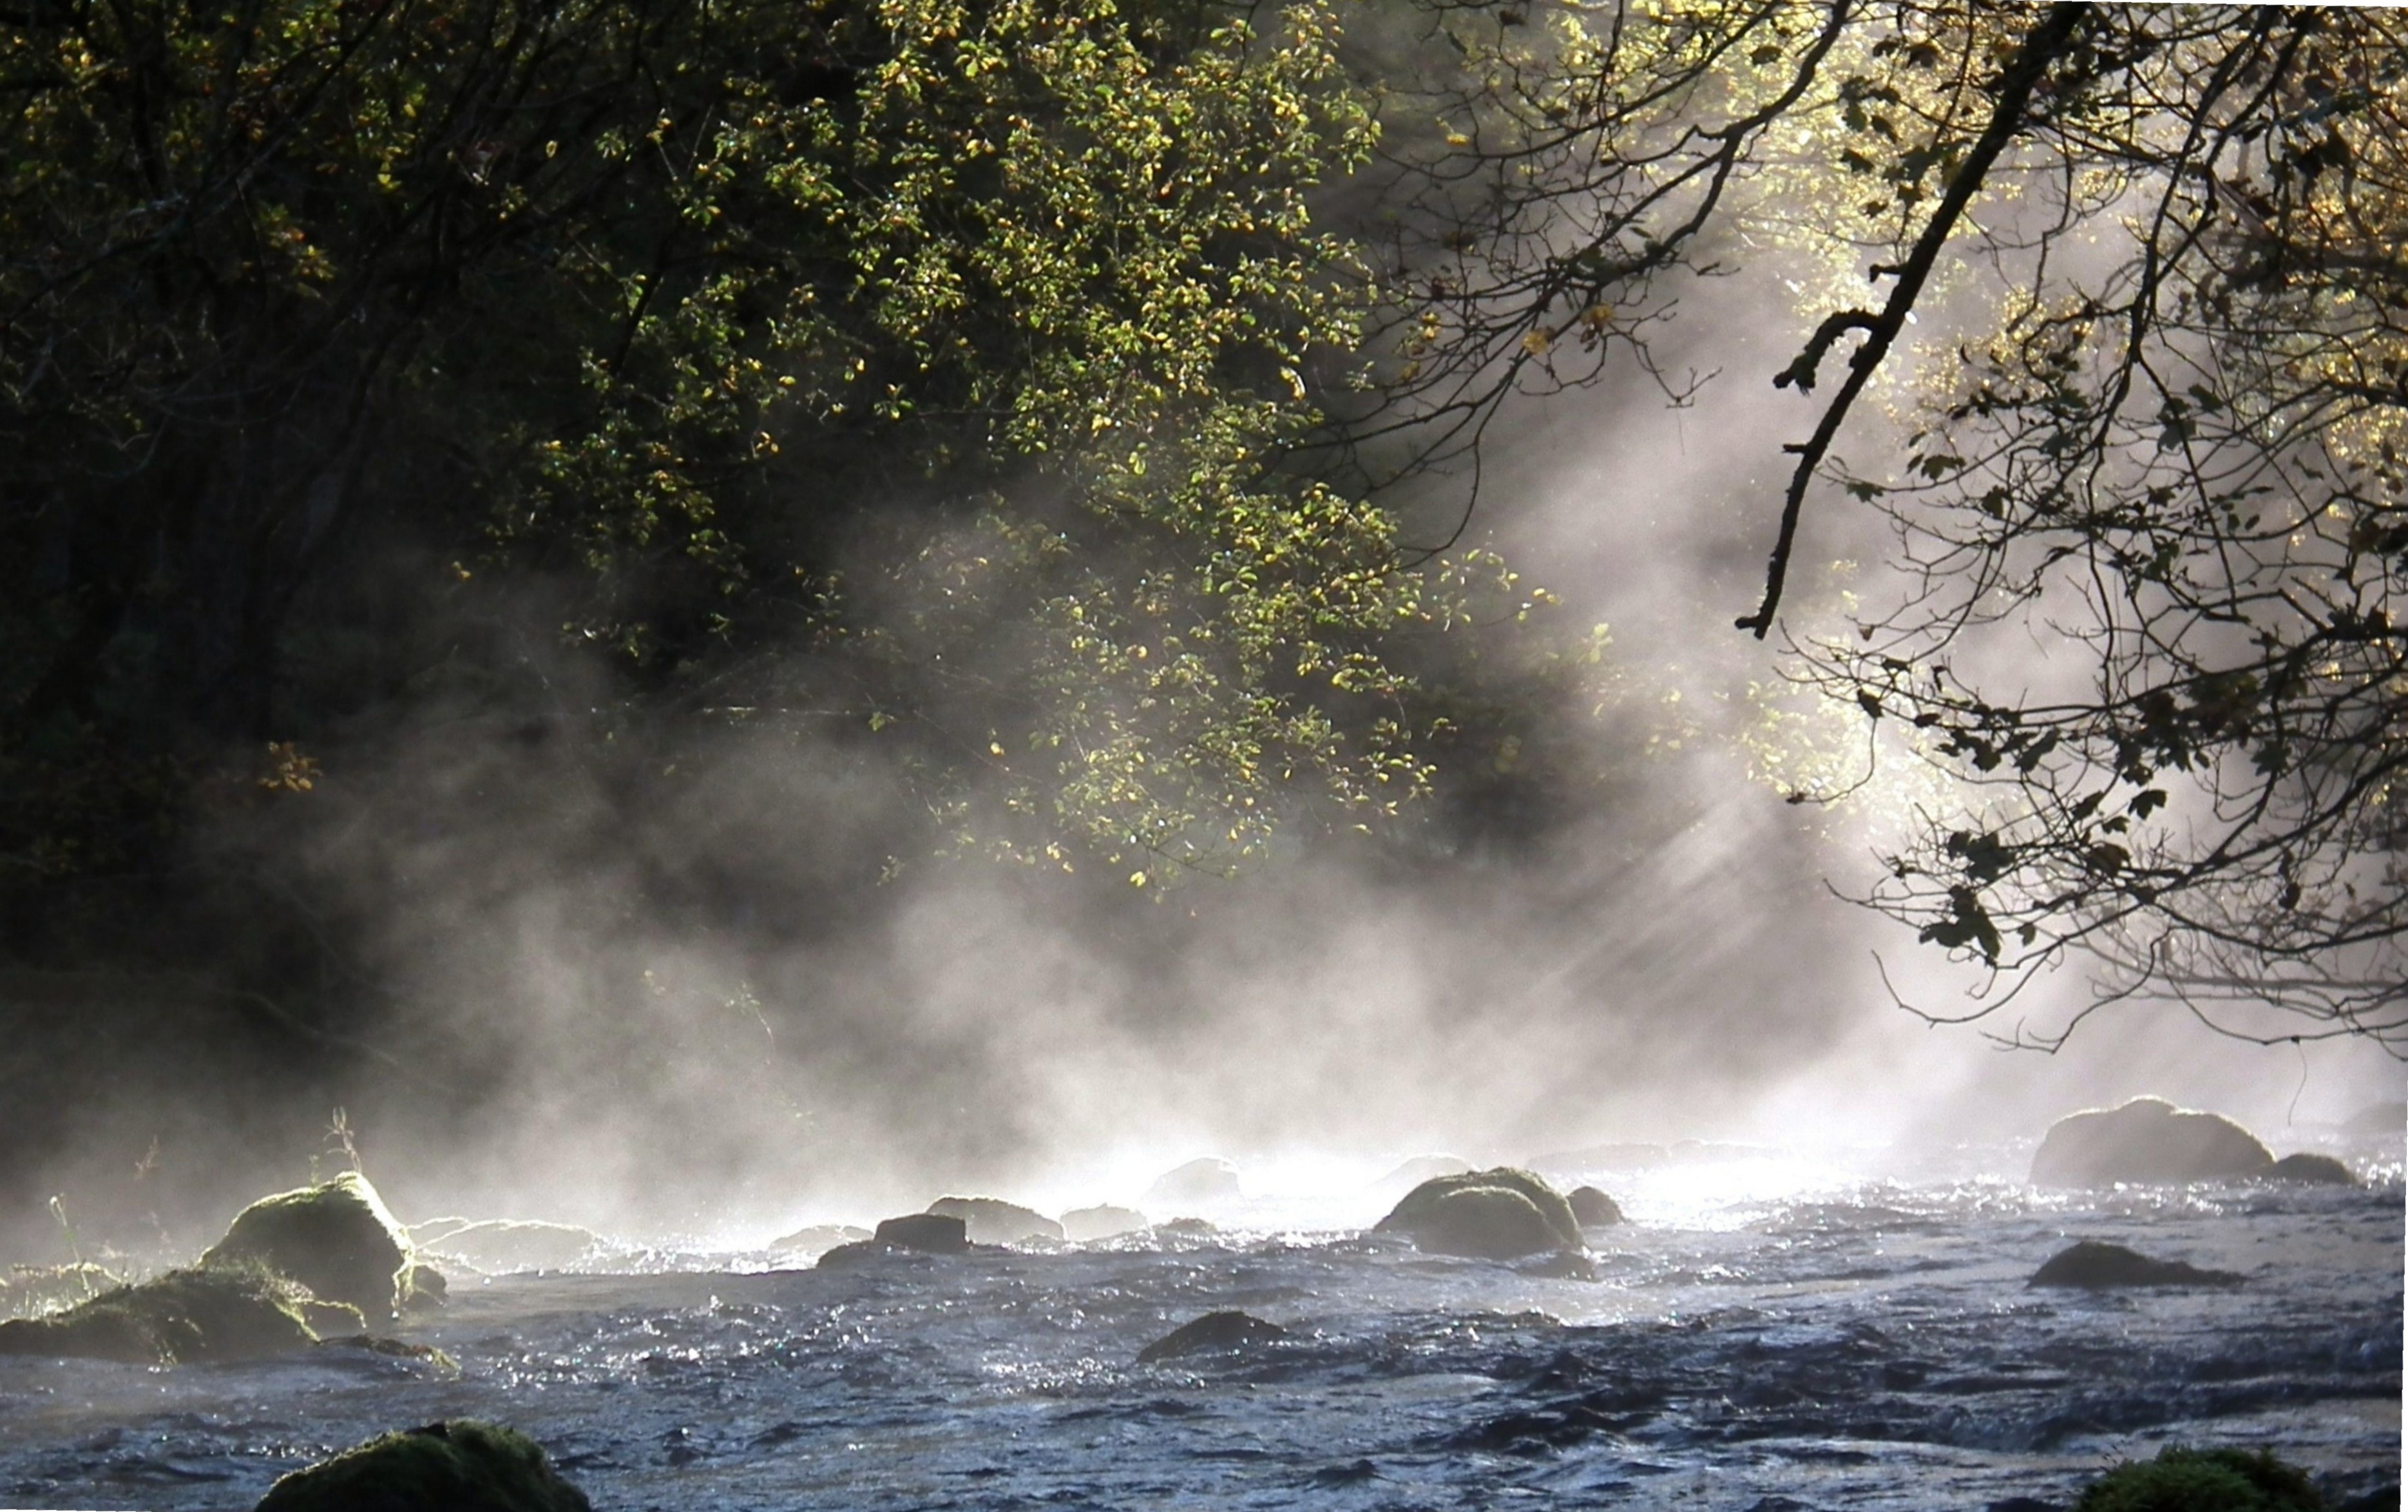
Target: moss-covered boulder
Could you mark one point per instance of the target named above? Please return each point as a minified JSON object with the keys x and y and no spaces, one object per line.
{"x":2097,"y":1266}
{"x":1502,"y":1214}
{"x":2202,"y":1480}
{"x":2146,"y":1139}
{"x":457,"y":1466}
{"x":224,"y":1312}
{"x":991,"y":1220}
{"x":336,"y":1238}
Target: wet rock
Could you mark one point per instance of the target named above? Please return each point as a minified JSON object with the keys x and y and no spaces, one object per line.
{"x":422,"y":1288}
{"x":1212,"y":1333}
{"x":336,"y":1238}
{"x":2202,"y":1480}
{"x":2146,"y":1139}
{"x":1198,"y":1182}
{"x":1423,"y":1168}
{"x":915,"y":1233}
{"x":1502,"y":1213}
{"x":1593,"y":1208}
{"x":1082,"y":1225}
{"x":991,"y":1220}
{"x":931,"y":1233}
{"x":1186,"y":1229}
{"x":226,"y":1312}
{"x":2311,"y":1170}
{"x":507,"y":1246}
{"x":458,"y":1466}
{"x":2096,"y":1265}
{"x":819,"y":1238}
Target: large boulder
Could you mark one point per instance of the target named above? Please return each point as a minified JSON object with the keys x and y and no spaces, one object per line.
{"x":1197,"y":1183}
{"x":458,"y":1466}
{"x":1082,"y":1225}
{"x":1212,"y":1333}
{"x":336,"y":1238}
{"x":2095,"y":1266}
{"x":990,"y":1220}
{"x":2146,"y":1139}
{"x":1502,"y":1213}
{"x":224,"y":1312}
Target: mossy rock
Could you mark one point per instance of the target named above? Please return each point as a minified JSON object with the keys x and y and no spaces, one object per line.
{"x":226,"y":1312}
{"x":2202,"y":1480}
{"x":457,"y":1466}
{"x":1501,"y":1214}
{"x":336,"y":1238}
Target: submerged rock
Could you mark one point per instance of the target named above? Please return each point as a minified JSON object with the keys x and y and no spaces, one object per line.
{"x":2146,"y":1139}
{"x":1082,"y":1225}
{"x":1204,"y":1181}
{"x":1212,"y":1333}
{"x":336,"y":1238}
{"x":503,"y":1246}
{"x":1502,"y":1213}
{"x":2202,"y":1480}
{"x":224,"y":1312}
{"x":2095,"y":1265}
{"x":2311,"y":1170}
{"x":458,"y":1466}
{"x":991,"y":1220}
{"x":1593,"y":1208}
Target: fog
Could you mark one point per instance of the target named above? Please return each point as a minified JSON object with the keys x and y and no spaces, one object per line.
{"x":816,"y":1026}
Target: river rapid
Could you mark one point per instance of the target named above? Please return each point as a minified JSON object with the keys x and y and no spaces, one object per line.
{"x":1755,"y":1337}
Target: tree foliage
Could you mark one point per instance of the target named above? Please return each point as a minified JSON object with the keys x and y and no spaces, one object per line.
{"x":2163,"y":452}
{"x":912,"y":366}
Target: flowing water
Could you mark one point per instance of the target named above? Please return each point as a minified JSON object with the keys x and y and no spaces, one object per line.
{"x":1752,"y":1338}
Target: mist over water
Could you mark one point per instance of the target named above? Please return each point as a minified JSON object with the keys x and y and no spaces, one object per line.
{"x":731,"y":998}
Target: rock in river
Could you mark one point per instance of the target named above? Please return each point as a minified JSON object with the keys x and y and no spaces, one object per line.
{"x":1082,"y":1225}
{"x":991,"y":1220}
{"x":922,"y":1233}
{"x":336,"y":1238}
{"x":1594,"y":1208}
{"x":2311,"y":1170}
{"x":2146,"y":1139}
{"x":1212,"y":1333}
{"x":458,"y":1466}
{"x":1197,"y":1183}
{"x":1502,"y":1213}
{"x":226,"y":1312}
{"x":2095,"y":1265}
